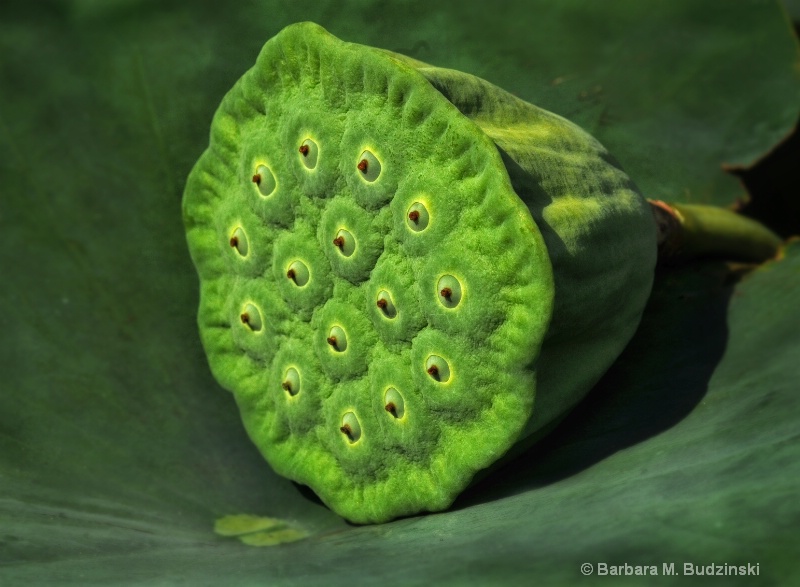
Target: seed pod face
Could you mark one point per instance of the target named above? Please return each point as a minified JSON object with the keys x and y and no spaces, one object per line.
{"x":403,"y":287}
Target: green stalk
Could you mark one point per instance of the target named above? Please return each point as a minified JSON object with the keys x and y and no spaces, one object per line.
{"x":687,"y":231}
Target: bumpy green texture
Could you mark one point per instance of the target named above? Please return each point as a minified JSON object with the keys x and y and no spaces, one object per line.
{"x":405,"y":271}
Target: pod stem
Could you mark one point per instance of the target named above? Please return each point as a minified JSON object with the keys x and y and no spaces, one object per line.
{"x":688,"y":231}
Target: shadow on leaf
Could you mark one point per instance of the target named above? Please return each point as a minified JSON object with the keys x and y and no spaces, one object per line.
{"x":660,"y":377}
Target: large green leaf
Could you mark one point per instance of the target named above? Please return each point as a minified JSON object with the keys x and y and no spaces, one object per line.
{"x":118,"y":451}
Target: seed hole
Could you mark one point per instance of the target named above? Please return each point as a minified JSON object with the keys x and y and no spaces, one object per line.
{"x":448,"y":291}
{"x":418,"y":217}
{"x":251,"y":317}
{"x":394,"y":403}
{"x":291,"y":381}
{"x":386,"y":304}
{"x":350,"y":427}
{"x":438,"y":368}
{"x":264,"y":180}
{"x":309,"y":153}
{"x":345,"y":242}
{"x":298,"y":273}
{"x":369,"y":166}
{"x":337,"y":339}
{"x":238,"y":241}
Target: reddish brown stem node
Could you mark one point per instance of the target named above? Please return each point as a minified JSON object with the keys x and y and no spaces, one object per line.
{"x":347,"y":431}
{"x":332,"y":341}
{"x":392,"y":409}
{"x":446,"y":292}
{"x":291,"y":275}
{"x":303,"y":150}
{"x":381,"y":303}
{"x":433,"y":371}
{"x":234,"y":241}
{"x":413,"y":216}
{"x":257,"y":179}
{"x":339,"y":242}
{"x":245,"y":317}
{"x":362,"y":166}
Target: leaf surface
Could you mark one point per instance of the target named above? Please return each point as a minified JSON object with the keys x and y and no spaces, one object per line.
{"x":118,"y":450}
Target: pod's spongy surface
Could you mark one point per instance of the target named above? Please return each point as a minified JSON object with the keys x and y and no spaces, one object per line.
{"x":373,"y":292}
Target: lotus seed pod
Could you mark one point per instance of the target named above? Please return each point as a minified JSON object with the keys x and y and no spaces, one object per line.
{"x":433,"y":271}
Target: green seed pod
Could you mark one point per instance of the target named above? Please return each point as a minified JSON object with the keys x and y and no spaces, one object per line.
{"x":441,"y":271}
